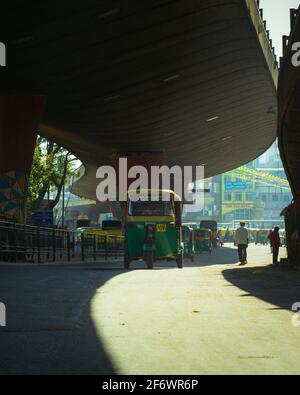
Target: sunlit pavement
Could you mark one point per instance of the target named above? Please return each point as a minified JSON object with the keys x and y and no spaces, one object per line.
{"x":211,"y":317}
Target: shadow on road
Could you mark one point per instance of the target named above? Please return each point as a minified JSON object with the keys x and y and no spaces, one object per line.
{"x":49,"y":329}
{"x":280,"y":287}
{"x":219,"y":256}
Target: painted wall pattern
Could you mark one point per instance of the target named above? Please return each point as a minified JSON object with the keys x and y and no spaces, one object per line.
{"x":13,"y":192}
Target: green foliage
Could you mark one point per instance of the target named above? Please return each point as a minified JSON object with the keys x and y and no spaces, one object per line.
{"x":52,"y":168}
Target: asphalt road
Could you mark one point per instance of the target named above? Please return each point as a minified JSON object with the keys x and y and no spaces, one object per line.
{"x":211,"y":317}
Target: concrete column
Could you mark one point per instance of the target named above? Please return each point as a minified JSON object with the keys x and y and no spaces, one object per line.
{"x":19,"y":122}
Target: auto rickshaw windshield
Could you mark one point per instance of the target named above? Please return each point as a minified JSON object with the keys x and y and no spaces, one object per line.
{"x":205,"y":233}
{"x":202,"y":233}
{"x":148,"y":208}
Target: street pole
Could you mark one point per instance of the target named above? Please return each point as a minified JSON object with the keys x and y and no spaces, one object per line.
{"x":63,"y":207}
{"x":221,"y":197}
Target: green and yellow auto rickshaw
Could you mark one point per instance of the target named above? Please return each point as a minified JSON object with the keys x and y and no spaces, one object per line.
{"x":153,"y":227}
{"x":213,"y":226}
{"x":203,"y":240}
{"x":109,"y":235}
{"x":188,"y":242}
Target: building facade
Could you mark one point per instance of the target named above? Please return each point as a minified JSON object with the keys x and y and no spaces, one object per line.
{"x":256,"y":191}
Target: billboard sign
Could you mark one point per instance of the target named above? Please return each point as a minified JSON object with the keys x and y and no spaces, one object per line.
{"x":237,"y":186}
{"x":43,"y":219}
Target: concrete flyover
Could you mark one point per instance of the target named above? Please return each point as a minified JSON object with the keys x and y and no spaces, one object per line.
{"x":193,"y":79}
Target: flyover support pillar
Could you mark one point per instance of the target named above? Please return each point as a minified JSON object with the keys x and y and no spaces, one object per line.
{"x":19,"y":122}
{"x":292,"y":228}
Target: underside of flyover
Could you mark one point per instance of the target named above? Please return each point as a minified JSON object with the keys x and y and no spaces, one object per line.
{"x":193,"y":79}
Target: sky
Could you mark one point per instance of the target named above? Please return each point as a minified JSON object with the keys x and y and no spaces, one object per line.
{"x":277,"y":15}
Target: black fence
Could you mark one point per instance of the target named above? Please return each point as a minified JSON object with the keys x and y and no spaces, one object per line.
{"x":25,"y":243}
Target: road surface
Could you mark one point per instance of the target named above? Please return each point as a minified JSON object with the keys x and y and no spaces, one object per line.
{"x":211,"y":317}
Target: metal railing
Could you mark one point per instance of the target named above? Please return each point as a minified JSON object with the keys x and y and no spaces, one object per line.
{"x":263,"y":35}
{"x":25,"y":243}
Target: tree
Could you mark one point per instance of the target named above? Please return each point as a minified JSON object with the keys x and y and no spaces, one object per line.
{"x":52,"y":168}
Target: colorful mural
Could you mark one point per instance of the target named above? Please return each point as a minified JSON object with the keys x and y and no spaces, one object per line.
{"x":13,"y":191}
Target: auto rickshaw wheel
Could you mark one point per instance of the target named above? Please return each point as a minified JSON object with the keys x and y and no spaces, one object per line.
{"x":150,"y":259}
{"x":179,"y":261}
{"x":126,"y":261}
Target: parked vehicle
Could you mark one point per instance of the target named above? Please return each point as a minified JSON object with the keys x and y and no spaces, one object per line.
{"x":203,"y":240}
{"x":111,"y":232}
{"x":188,"y":242}
{"x":213,"y":226}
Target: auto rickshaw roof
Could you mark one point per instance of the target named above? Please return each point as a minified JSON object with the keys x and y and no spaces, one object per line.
{"x":154,"y":191}
{"x":187,"y":227}
{"x":203,"y":229}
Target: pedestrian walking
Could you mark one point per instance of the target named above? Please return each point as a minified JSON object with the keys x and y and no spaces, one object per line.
{"x":241,"y":240}
{"x":227,"y":235}
{"x":275,"y":243}
{"x":220,"y":238}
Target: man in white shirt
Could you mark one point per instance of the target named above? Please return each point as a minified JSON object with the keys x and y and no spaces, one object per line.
{"x":241,"y":240}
